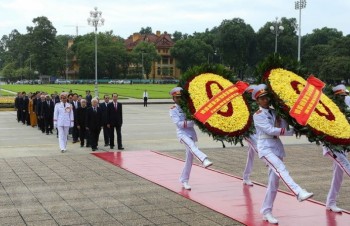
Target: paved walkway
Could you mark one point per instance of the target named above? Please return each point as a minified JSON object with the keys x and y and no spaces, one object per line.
{"x":41,"y":186}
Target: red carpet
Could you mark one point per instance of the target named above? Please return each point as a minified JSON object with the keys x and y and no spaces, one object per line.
{"x":222,"y":192}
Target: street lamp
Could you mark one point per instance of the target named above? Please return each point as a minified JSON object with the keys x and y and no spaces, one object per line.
{"x":96,"y":20}
{"x":276,"y":29}
{"x":67,"y":64}
{"x":299,"y":5}
{"x":143,"y":68}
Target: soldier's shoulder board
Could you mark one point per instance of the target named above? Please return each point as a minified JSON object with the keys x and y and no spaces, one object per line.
{"x":258,"y":111}
{"x":172,"y":107}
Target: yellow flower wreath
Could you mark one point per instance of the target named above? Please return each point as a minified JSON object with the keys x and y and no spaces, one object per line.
{"x":232,"y":119}
{"x":326,"y":119}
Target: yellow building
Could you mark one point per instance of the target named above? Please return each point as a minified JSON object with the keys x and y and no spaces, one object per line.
{"x":165,"y":67}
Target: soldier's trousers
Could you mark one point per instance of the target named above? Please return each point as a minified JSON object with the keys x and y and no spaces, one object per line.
{"x":340,"y":165}
{"x":191,"y":150}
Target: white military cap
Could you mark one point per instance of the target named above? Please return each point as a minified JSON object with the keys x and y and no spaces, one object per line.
{"x":259,"y":91}
{"x":340,"y":90}
{"x":175,"y":91}
{"x":250,"y":88}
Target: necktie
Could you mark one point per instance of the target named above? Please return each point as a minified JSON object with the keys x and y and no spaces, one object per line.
{"x":95,"y":110}
{"x":115,"y":106}
{"x":64,"y":104}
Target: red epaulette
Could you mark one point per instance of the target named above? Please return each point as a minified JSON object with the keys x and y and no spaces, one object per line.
{"x":258,"y":111}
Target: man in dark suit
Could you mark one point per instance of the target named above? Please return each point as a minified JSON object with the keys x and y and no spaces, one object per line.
{"x":93,"y":123}
{"x":80,"y":120}
{"x":24,"y":107}
{"x":115,"y":120}
{"x":48,"y":108}
{"x":39,"y":113}
{"x":106,"y":131}
{"x":76,"y":105}
{"x":17,"y":106}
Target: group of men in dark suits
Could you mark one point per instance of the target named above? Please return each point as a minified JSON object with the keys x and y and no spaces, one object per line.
{"x":90,"y":117}
{"x":106,"y":115}
{"x":42,"y":104}
{"x":21,"y":105}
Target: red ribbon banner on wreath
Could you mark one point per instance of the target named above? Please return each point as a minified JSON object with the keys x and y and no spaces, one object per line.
{"x":307,"y":100}
{"x":219,"y":100}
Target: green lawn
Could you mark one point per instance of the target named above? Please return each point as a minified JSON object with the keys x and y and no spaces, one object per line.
{"x":155,"y":91}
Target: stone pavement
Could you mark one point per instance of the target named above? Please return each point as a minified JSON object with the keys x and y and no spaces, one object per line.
{"x":41,"y":186}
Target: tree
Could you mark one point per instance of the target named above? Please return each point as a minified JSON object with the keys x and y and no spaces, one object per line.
{"x":9,"y":71}
{"x":42,"y":45}
{"x":111,"y":55}
{"x":148,"y":52}
{"x":146,"y":31}
{"x":237,"y":43}
{"x":335,"y":68}
{"x":190,"y":52}
{"x":321,"y":48}
{"x":287,"y":39}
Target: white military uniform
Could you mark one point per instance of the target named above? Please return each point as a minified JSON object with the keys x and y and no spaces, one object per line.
{"x":341,"y":164}
{"x":271,"y":149}
{"x":63,"y":119}
{"x":347,"y":100}
{"x":187,"y":136}
{"x":252,"y":149}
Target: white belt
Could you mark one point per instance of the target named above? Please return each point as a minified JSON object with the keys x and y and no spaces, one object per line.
{"x":265,"y":136}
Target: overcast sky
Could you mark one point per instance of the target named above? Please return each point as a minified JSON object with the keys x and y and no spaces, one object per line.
{"x":125,"y":17}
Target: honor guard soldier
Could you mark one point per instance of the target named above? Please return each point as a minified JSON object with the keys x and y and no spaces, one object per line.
{"x":187,"y":136}
{"x":252,"y":149}
{"x":63,"y":120}
{"x":269,"y":127}
{"x":340,"y":162}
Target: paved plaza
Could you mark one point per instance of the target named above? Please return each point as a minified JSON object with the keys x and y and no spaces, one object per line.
{"x":42,"y":186}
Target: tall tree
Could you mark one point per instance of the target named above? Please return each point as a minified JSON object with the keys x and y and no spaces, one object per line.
{"x":190,"y":52}
{"x":43,"y":43}
{"x":237,"y":43}
{"x":111,"y":56}
{"x":146,"y":30}
{"x":146,"y":52}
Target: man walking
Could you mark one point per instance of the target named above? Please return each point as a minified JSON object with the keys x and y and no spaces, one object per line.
{"x":269,"y":127}
{"x":115,"y":120}
{"x":187,"y":136}
{"x":80,"y":119}
{"x":63,"y":119}
{"x":106,"y":130}
{"x":48,"y":110}
{"x":76,"y":105}
{"x":93,"y":123}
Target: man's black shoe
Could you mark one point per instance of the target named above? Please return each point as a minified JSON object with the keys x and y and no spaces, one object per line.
{"x":120,"y":148}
